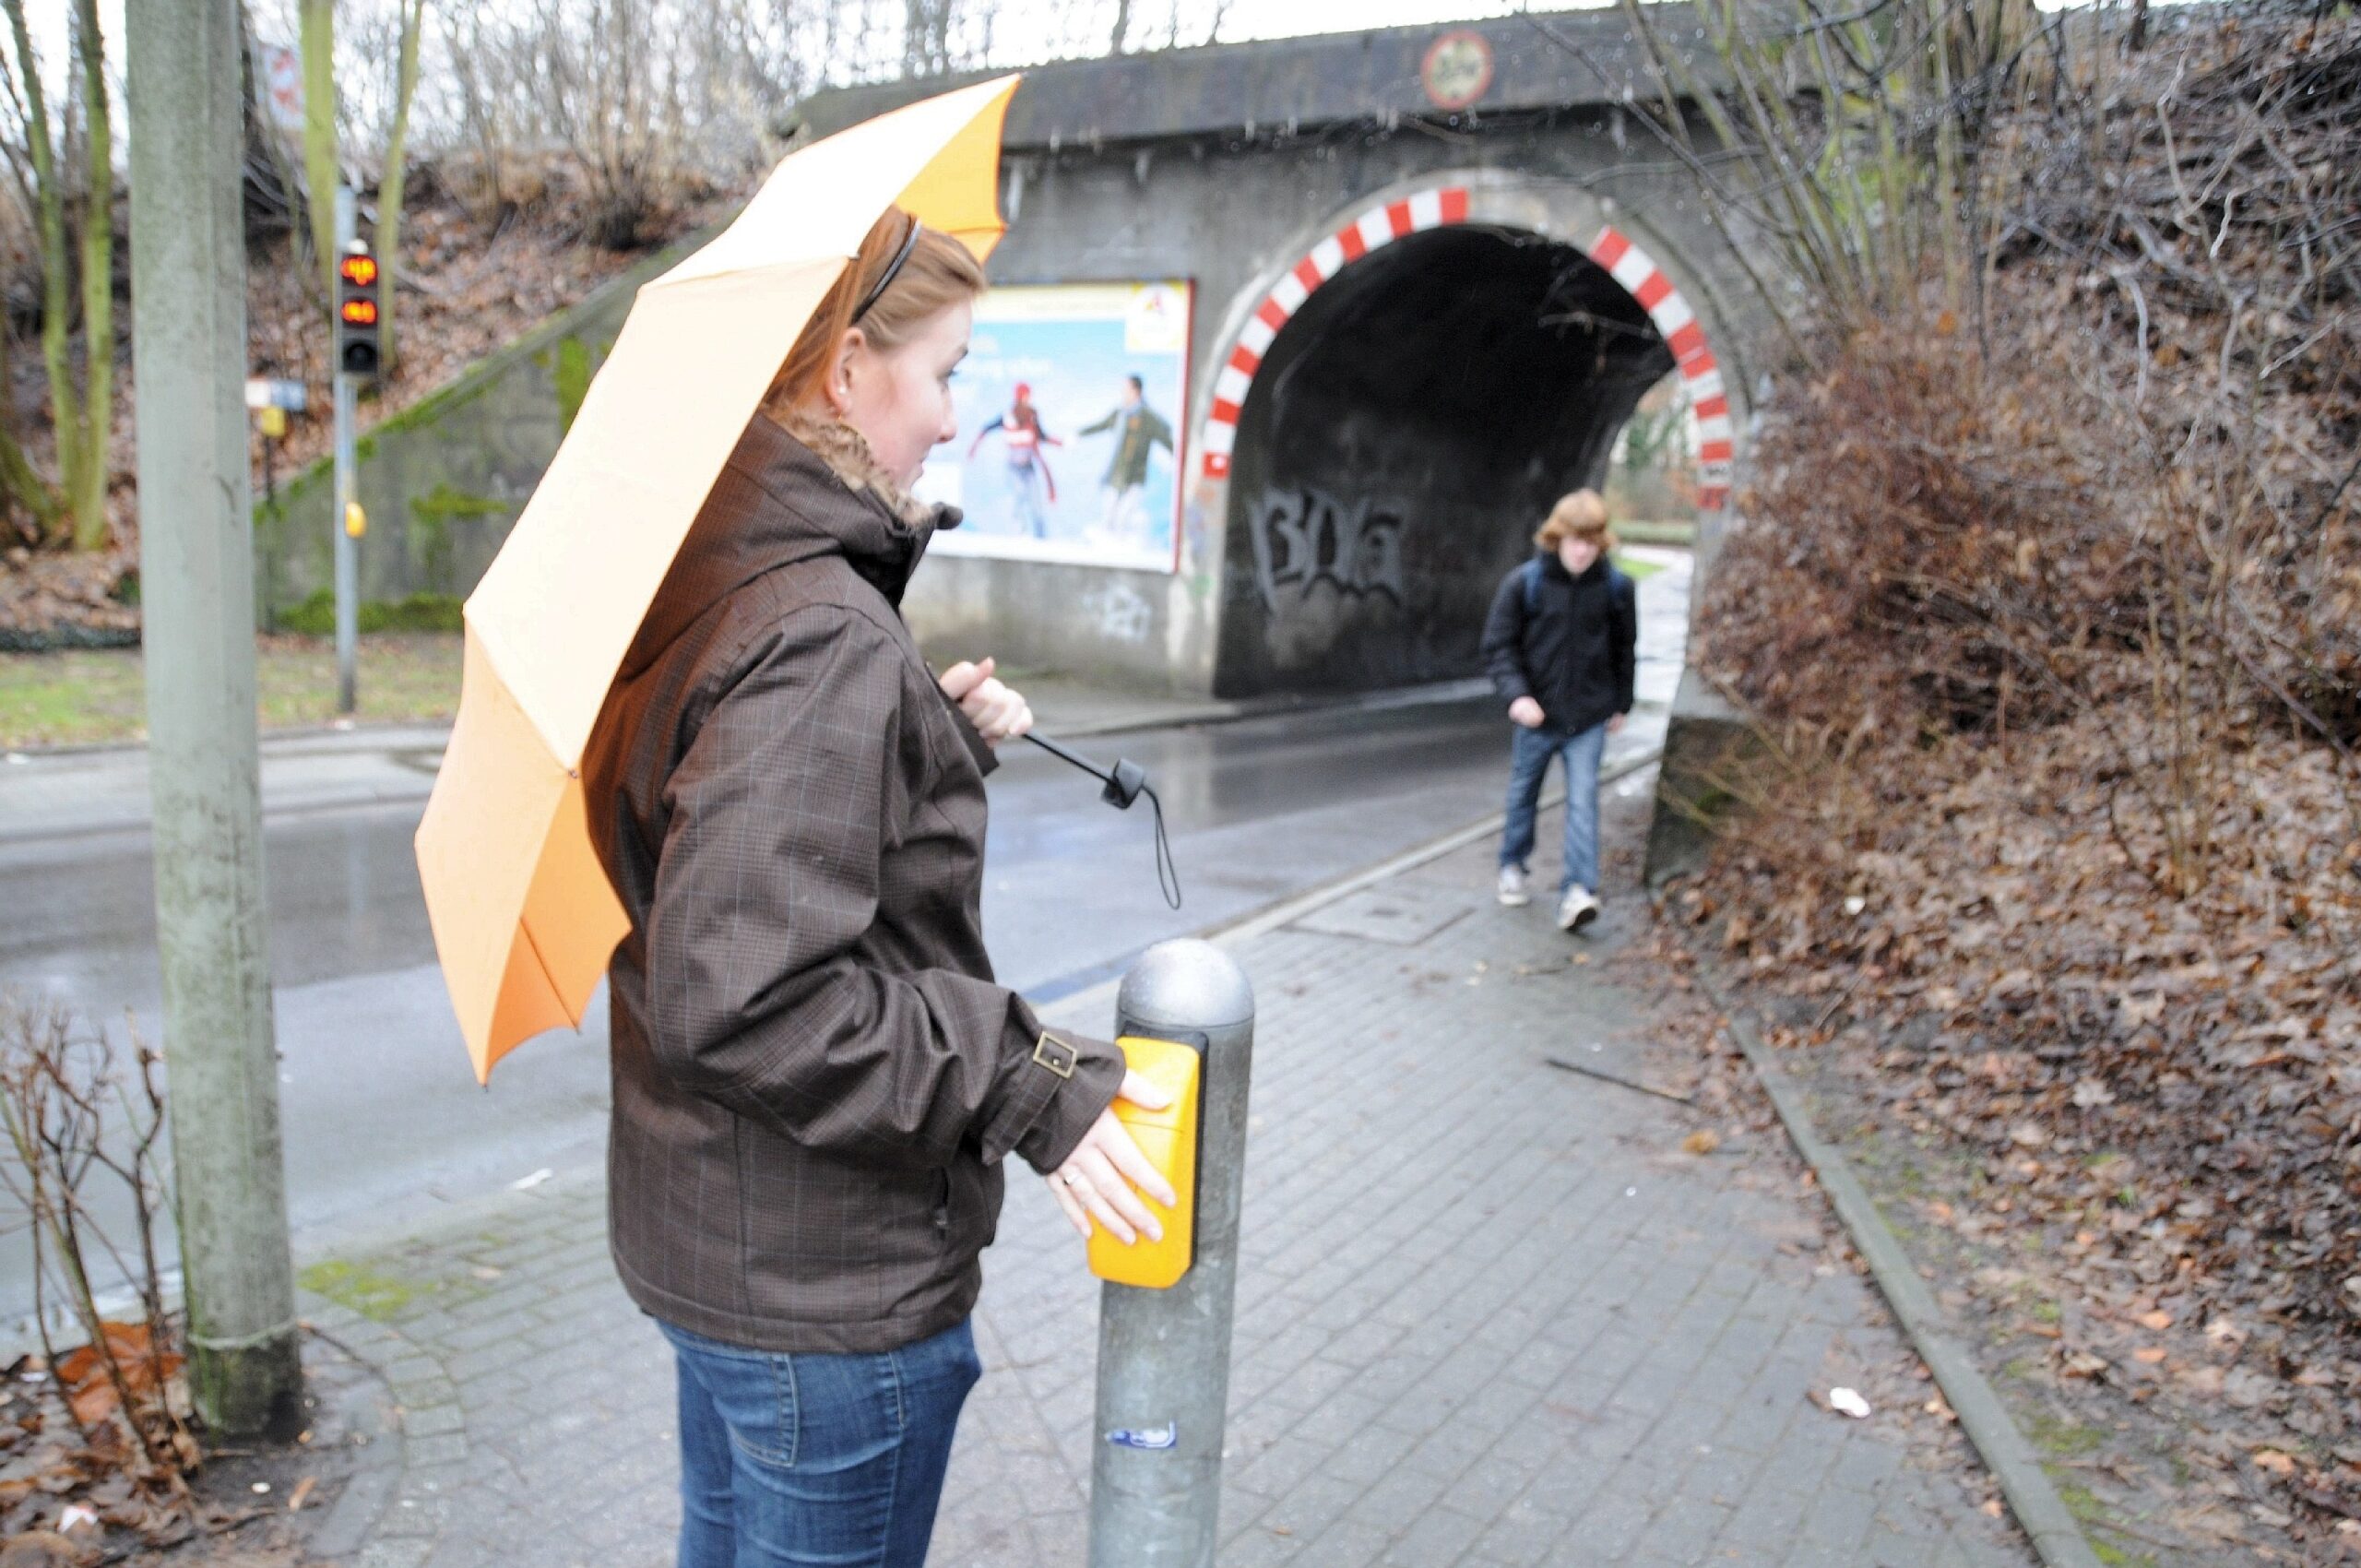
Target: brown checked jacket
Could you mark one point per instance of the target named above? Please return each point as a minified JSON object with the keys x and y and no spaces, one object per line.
{"x":816,"y":1077}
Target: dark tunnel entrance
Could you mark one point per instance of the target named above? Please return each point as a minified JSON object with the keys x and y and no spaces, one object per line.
{"x":1408,"y":430}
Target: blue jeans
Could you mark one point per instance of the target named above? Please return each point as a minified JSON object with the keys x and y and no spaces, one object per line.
{"x":816,"y":1459}
{"x":1530,"y":755}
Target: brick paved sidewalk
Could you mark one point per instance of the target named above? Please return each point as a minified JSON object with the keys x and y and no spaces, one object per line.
{"x":1490,"y":1314}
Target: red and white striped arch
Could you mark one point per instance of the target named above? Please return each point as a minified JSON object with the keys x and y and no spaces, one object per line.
{"x":1630,"y":265}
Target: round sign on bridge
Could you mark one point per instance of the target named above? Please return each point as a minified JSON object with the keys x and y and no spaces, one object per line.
{"x":1457,"y":69}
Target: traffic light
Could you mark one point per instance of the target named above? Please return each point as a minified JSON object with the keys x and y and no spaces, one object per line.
{"x":358,"y":339}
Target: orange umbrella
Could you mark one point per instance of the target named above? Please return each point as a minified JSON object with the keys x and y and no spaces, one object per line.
{"x":524,"y":919}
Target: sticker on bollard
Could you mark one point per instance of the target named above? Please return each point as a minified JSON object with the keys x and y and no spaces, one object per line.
{"x":1168,"y":1138}
{"x":1152,"y":1438}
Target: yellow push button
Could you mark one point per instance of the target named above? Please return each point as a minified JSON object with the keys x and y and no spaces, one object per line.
{"x":1168,"y":1138}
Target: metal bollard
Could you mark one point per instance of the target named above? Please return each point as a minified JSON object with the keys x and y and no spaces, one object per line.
{"x":1163,"y":1355}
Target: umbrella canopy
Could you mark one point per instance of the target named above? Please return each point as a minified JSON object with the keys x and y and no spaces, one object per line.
{"x":524,"y":919}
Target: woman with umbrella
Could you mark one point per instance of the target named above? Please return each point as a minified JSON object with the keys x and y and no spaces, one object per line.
{"x":816,"y":1077}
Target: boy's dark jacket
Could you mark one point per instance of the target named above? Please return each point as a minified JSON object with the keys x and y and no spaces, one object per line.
{"x":1574,"y":650}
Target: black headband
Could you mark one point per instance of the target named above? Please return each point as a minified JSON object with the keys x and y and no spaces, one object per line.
{"x":893,"y":270}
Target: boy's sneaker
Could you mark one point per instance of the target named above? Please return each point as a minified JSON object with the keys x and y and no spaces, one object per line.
{"x":1512,"y":891}
{"x":1576,"y":910}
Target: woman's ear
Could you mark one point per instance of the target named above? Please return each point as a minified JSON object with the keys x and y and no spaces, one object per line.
{"x":839,"y":387}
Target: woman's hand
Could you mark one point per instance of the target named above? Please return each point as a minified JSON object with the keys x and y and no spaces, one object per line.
{"x":1097,"y":1179}
{"x":998,"y":713}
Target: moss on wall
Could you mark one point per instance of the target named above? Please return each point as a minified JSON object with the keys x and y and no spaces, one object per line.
{"x":573,"y":379}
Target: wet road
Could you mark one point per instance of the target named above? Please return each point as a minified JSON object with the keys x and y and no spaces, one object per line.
{"x":383,"y":1121}
{"x":381,"y":1116}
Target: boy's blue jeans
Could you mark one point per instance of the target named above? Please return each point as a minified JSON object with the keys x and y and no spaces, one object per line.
{"x":1530,"y":755}
{"x":816,"y":1459}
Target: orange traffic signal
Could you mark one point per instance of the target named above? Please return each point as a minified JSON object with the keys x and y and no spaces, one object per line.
{"x":358,"y":309}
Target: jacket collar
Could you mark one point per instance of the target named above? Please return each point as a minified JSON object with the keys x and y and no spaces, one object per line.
{"x":781,"y":501}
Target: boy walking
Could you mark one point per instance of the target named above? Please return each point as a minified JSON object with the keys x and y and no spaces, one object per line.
{"x":1559,"y":646}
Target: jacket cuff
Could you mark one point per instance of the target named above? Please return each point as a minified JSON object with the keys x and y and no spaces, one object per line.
{"x":1061,"y":1085}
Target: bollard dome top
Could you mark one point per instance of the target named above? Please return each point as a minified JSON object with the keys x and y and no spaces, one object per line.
{"x":1187,"y":984}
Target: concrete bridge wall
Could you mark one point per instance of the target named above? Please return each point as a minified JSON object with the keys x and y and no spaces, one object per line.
{"x":1419,"y":405}
{"x":1414,"y":328}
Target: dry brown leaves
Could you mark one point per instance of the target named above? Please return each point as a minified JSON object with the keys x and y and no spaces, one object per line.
{"x":76,"y":1487}
{"x":43,"y":592}
{"x":2056,"y":637}
{"x":467,"y":289}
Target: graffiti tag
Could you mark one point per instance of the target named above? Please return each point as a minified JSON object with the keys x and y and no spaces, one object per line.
{"x":1121,"y":611}
{"x":1306,"y":537}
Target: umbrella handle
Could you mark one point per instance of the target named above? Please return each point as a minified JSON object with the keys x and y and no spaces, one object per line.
{"x":1125,"y":782}
{"x":1124,"y":771}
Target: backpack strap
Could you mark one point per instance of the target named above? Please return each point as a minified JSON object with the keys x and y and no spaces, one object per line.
{"x":1531,"y":572}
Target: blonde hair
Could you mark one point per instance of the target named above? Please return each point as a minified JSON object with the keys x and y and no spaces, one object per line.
{"x":1579,"y":516}
{"x":938,"y":273}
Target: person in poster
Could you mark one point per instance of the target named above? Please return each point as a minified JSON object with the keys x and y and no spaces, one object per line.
{"x":1030,"y":483}
{"x":1142,"y":430}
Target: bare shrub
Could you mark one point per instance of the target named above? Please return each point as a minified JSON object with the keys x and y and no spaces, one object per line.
{"x":77,"y":1122}
{"x":2049,"y":604}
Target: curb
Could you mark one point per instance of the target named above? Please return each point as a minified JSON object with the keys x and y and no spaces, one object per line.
{"x":2056,"y":1536}
{"x":425,"y":1425}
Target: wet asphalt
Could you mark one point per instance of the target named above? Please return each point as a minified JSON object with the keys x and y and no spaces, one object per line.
{"x":381,"y":1113}
{"x":383,"y":1123}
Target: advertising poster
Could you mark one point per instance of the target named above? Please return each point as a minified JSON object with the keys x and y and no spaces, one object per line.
{"x":1071,"y":402}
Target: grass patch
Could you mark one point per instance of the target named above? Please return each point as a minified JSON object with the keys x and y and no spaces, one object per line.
{"x":377,"y":1297}
{"x":2092,"y":1515}
{"x":1635,"y":570}
{"x":98,"y":697}
{"x":1643,"y":530}
{"x":2064,"y":1440}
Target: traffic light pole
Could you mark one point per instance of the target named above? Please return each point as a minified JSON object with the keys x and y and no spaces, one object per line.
{"x":347,"y":548}
{"x":188,"y":271}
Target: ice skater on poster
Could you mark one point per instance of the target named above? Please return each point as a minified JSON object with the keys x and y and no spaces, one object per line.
{"x":1064,"y":385}
{"x":1139,"y":430}
{"x":1031,"y":485}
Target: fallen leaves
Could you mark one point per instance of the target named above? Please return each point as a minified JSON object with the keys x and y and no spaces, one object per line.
{"x":465,"y":294}
{"x":46,"y":1548}
{"x":91,"y":1381}
{"x":75,"y":1469}
{"x":1702,"y":1142}
{"x":2053,"y":846}
{"x":2084,"y":1363}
